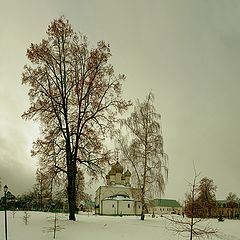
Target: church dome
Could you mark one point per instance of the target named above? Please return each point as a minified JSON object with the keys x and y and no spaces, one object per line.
{"x":112,"y":171}
{"x":117,"y":167}
{"x":127,"y":174}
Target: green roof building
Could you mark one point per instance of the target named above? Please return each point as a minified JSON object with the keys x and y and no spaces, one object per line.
{"x":165,"y":206}
{"x":166,"y":203}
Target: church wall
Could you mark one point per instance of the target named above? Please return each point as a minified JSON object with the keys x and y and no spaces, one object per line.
{"x":118,"y":207}
{"x":105,"y":206}
{"x":138,"y":208}
{"x":126,"y":207}
{"x":109,"y":207}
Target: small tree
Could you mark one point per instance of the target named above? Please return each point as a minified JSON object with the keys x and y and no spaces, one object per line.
{"x":191,"y":227}
{"x":13,"y":213}
{"x":26,"y":217}
{"x":55,"y":227}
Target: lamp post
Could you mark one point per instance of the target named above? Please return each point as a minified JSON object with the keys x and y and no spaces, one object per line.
{"x":5,"y":188}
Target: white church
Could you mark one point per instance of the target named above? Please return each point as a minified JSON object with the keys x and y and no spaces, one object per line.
{"x":118,"y":197}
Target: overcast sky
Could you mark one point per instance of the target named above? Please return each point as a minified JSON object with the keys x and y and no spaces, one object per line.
{"x":186,"y":51}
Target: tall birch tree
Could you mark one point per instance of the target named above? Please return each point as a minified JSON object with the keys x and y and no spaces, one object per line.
{"x":142,"y":150}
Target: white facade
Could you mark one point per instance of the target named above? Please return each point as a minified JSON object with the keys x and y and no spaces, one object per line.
{"x":167,"y":210}
{"x":118,"y":197}
{"x":120,"y":207}
{"x":165,"y":206}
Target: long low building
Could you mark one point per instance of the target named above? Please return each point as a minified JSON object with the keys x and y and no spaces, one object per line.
{"x":165,"y":206}
{"x":228,"y":209}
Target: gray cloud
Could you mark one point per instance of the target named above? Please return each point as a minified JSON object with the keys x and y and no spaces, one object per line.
{"x":15,"y":170}
{"x":186,"y":51}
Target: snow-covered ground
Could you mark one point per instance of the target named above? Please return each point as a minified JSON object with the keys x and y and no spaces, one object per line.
{"x":101,"y":228}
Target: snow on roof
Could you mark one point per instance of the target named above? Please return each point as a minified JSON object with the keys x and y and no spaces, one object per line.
{"x":119,"y":198}
{"x":119,"y":185}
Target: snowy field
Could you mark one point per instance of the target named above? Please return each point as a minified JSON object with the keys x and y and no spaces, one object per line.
{"x":101,"y":228}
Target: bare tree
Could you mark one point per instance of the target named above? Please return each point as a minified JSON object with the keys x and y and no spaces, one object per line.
{"x":26,"y":217}
{"x":232,"y":203}
{"x":231,"y":197}
{"x":206,"y":196}
{"x":191,"y":227}
{"x":143,"y":150}
{"x":13,"y":213}
{"x":55,"y":227}
{"x":76,"y":96}
{"x":43,"y":187}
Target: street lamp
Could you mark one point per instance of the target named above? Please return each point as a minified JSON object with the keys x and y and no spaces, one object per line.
{"x":5,"y":188}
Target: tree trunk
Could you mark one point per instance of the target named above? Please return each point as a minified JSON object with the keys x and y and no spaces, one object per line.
{"x":191,"y":232}
{"x":209,"y":212}
{"x":144,"y":183}
{"x":71,"y":191}
{"x":41,"y":200}
{"x":143,"y":204}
